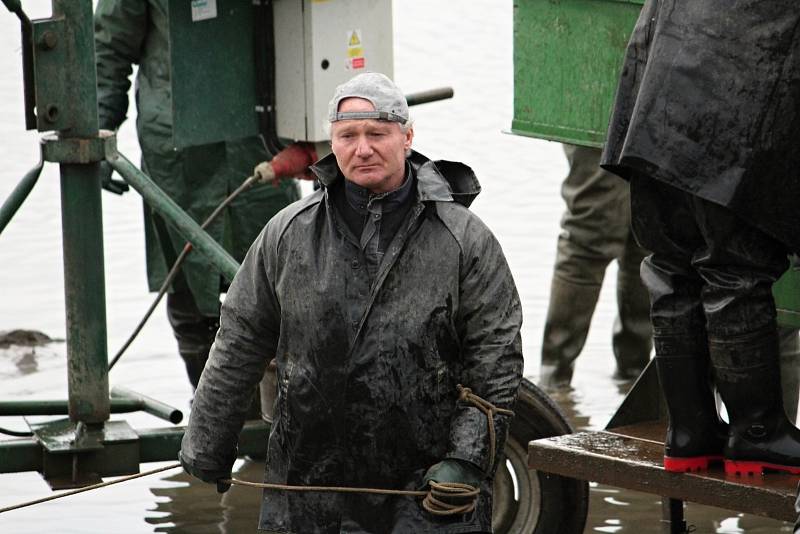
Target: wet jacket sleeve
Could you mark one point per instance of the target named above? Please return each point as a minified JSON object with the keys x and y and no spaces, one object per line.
{"x":246,"y":341}
{"x":119,"y":28}
{"x":489,"y":321}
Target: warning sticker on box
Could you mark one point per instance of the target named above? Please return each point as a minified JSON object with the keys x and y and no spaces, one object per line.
{"x":204,"y":10}
{"x":355,"y":50}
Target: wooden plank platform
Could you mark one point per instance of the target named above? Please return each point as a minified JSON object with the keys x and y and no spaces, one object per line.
{"x":631,"y":457}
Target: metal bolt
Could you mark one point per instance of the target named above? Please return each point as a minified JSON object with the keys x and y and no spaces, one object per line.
{"x":51,"y":113}
{"x":48,"y":40}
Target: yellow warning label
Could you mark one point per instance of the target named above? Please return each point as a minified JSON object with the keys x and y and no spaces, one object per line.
{"x":355,"y":52}
{"x":354,"y":39}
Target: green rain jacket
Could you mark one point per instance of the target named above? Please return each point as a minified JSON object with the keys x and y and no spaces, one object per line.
{"x":129,"y":32}
{"x":367,"y":369}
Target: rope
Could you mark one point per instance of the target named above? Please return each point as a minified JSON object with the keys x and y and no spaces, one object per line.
{"x":173,"y":272}
{"x":324,"y":489}
{"x":442,"y":499}
{"x":454,"y":492}
{"x":464,"y":494}
{"x":88,"y":488}
{"x":488,"y":409}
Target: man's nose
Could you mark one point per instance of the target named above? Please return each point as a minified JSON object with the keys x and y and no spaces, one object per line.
{"x":363,"y":148}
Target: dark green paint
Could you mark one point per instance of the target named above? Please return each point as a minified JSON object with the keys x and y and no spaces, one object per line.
{"x":213,"y":87}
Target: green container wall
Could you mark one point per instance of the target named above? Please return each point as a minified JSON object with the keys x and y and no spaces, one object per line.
{"x":567,"y":57}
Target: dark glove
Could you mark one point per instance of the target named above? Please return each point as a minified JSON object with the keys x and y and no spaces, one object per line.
{"x":446,"y":502}
{"x":108,"y":183}
{"x":212,"y":476}
{"x":453,"y":470}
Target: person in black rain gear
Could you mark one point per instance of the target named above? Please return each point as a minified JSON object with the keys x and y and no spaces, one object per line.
{"x":704,"y":127}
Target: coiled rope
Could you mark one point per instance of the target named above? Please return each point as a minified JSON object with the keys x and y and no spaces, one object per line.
{"x":441,"y":499}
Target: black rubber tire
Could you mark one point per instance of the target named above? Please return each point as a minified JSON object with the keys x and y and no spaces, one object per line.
{"x":544,"y":503}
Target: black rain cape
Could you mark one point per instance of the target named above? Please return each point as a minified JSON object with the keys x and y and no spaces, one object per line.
{"x":708,"y":102}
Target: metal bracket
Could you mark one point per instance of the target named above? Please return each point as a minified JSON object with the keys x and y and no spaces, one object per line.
{"x":644,"y":402}
{"x":50,"y":54}
{"x":77,"y":454}
{"x":58,"y":149}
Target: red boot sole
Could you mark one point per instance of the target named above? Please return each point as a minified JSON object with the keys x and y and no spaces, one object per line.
{"x":692,"y":463}
{"x":733,"y":467}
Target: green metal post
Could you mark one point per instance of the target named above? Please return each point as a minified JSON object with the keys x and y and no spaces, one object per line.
{"x":82,"y":227}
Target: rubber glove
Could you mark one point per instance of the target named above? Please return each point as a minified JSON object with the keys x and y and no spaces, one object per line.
{"x":108,"y":183}
{"x":453,"y":470}
{"x":212,"y":476}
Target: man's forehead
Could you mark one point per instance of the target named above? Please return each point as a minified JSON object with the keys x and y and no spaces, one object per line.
{"x":366,"y":124}
{"x":355,"y":103}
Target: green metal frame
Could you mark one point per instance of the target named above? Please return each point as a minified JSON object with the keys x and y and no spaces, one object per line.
{"x":567,"y":58}
{"x":79,"y":450}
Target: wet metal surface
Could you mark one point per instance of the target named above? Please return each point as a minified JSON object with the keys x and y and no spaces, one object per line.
{"x":635,"y":463}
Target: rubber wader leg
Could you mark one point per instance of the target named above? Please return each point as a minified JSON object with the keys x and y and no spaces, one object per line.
{"x":632,"y":337}
{"x":569,"y":315}
{"x":194,"y":332}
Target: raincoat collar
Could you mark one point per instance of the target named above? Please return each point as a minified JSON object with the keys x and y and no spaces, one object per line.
{"x":363,"y":201}
{"x":439,"y":181}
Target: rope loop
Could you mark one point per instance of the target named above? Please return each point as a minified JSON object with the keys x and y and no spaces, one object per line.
{"x":466,"y":395}
{"x":450,"y":498}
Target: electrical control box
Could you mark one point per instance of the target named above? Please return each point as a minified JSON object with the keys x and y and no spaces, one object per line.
{"x":320,"y":44}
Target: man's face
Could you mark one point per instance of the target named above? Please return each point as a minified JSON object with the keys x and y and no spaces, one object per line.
{"x":370,"y":153}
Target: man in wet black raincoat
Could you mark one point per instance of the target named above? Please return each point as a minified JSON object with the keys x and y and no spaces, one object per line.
{"x":705,"y":127}
{"x":377,"y":295}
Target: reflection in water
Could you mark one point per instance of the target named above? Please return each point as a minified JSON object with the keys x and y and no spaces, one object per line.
{"x":190,"y":506}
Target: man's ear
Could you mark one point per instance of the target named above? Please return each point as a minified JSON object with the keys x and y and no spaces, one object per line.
{"x":409,"y":138}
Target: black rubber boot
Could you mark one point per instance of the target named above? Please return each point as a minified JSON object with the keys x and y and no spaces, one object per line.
{"x":748,"y":378}
{"x":695,"y":435}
